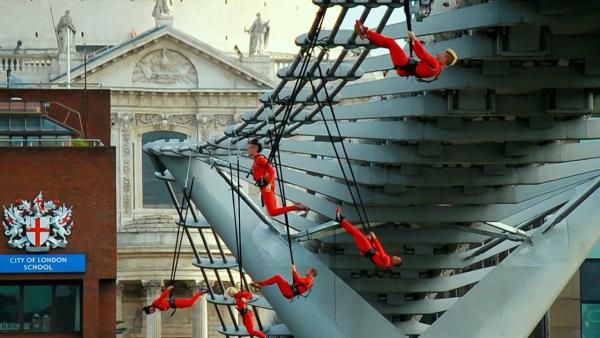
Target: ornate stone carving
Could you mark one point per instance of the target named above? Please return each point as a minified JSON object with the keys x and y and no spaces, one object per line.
{"x":152,"y":287}
{"x":163,"y":121}
{"x":148,"y":119}
{"x":165,"y":66}
{"x":208,"y":123}
{"x":124,"y":121}
{"x":182,"y":120}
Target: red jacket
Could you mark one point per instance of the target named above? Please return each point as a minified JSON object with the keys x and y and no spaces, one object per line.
{"x":241,"y":299}
{"x":261,"y":168}
{"x":302,"y":284}
{"x":162,"y":303}
{"x":381,"y":258}
{"x":427,"y":67}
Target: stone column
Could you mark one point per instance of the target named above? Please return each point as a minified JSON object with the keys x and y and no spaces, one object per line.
{"x":199,"y":312}
{"x":153,"y":327}
{"x":119,"y":303}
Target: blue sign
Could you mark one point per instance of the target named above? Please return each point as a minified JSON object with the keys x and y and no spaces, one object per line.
{"x":43,"y":263}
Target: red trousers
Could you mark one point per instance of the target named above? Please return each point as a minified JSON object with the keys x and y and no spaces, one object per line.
{"x":282,"y":284}
{"x":362,"y":242}
{"x":397,"y":54}
{"x":183,"y":303}
{"x":270,"y":201}
{"x":249,"y":325}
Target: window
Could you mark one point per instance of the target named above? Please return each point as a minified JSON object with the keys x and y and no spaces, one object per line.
{"x":155,"y":194}
{"x":590,"y":298}
{"x":9,"y":308}
{"x":34,"y":307}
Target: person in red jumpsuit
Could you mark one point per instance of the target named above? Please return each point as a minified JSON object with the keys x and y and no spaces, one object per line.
{"x":369,"y":246}
{"x":297,"y":288}
{"x":166,"y":302}
{"x":241,"y":304}
{"x":264,"y":176}
{"x":429,"y":66}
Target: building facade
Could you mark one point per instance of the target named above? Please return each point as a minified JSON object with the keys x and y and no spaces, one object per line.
{"x":169,"y":77}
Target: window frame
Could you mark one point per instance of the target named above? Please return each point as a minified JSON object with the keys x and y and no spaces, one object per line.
{"x":139,"y":193}
{"x":53,"y":284}
{"x":581,"y":302}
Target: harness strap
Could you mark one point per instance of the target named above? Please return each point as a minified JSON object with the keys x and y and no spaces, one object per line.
{"x":173,"y":306}
{"x":369,"y":254}
{"x":411,"y":69}
{"x":297,"y":293}
{"x":243,"y":311}
{"x":262,"y":166}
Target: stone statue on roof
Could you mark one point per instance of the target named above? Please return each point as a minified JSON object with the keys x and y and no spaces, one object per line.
{"x":65,"y":26}
{"x":259,"y":35}
{"x":162,"y":8}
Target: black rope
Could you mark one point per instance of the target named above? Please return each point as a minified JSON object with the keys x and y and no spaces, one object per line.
{"x":179,"y":241}
{"x":239,"y":222}
{"x":408,"y":14}
{"x":296,"y":89}
{"x":237,"y":229}
{"x":283,"y":203}
{"x":360,"y":203}
{"x":278,"y":137}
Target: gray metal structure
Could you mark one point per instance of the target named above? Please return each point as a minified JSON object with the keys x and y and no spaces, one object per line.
{"x":485,"y":181}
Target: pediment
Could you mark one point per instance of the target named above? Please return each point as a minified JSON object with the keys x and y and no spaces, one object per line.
{"x":165,"y":58}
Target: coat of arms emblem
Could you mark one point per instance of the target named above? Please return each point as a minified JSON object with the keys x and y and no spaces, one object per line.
{"x":37,"y":226}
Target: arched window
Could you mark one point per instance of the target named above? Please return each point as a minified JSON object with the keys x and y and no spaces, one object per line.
{"x":155,"y":194}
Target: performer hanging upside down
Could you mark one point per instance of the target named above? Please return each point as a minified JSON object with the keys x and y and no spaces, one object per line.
{"x":241,"y":304}
{"x":264,"y":175}
{"x":429,"y":66}
{"x":297,"y":288}
{"x":369,"y":246}
{"x":166,"y":302}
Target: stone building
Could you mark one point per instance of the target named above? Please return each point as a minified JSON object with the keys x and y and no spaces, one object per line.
{"x":179,"y":71}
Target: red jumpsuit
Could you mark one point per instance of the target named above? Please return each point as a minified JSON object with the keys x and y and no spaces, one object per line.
{"x":301,"y":284}
{"x":163,"y":304}
{"x":262,"y":169}
{"x":367,"y":246}
{"x":241,"y":304}
{"x":428,"y":67}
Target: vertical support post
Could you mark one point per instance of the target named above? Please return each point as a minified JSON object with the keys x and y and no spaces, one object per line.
{"x":153,"y":322}
{"x":199,"y":313}
{"x":68,"y":58}
{"x":119,"y":303}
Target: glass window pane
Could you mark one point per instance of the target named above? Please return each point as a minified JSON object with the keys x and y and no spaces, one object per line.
{"x":17,"y":123}
{"x":155,"y":192}
{"x":37,"y":308}
{"x":17,"y":141}
{"x":48,"y":125}
{"x":33,"y":123}
{"x":4,"y":123}
{"x":590,"y":277}
{"x":9,"y":308}
{"x":68,"y":305}
{"x":590,"y":320}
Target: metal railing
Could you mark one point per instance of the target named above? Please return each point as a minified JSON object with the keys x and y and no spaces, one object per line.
{"x":51,"y":142}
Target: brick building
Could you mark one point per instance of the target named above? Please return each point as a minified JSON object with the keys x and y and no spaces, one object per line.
{"x":58,"y":250}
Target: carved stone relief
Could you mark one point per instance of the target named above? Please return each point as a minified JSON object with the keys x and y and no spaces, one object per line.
{"x":165,"y":66}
